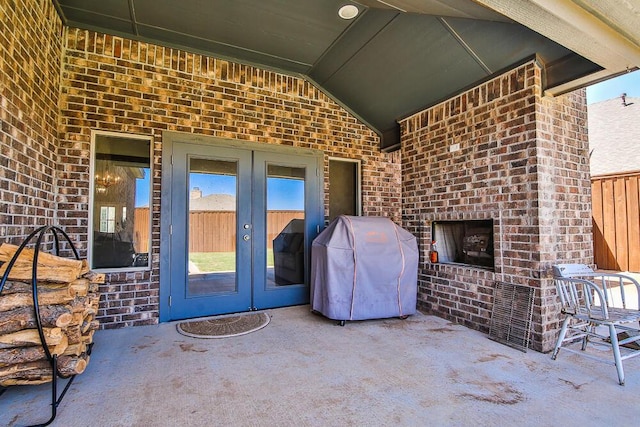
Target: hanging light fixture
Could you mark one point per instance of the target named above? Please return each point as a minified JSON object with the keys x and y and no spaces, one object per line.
{"x":105,"y":180}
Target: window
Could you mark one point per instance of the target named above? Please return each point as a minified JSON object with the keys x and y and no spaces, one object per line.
{"x":120,"y":185}
{"x":344,"y":187}
{"x":107,"y":219}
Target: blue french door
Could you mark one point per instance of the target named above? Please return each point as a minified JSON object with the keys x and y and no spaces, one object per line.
{"x":242,"y":222}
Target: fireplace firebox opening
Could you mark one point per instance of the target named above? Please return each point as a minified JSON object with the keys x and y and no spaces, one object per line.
{"x":465,"y":242}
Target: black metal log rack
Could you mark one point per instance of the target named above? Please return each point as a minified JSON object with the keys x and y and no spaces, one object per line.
{"x":39,"y":235}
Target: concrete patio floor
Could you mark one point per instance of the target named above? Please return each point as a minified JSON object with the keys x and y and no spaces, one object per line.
{"x":304,"y":370}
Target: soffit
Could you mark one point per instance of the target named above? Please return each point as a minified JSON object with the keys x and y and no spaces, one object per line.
{"x":606,"y":32}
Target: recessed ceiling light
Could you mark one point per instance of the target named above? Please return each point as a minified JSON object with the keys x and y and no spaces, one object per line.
{"x":348,"y":11}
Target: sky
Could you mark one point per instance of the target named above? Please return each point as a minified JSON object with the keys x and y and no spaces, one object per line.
{"x":142,"y":190}
{"x":283,"y":194}
{"x":613,"y":88}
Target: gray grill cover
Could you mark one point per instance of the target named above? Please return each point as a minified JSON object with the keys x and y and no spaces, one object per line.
{"x":364,"y":268}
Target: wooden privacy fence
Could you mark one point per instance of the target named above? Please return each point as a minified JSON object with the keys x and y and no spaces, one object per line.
{"x":616,"y":221}
{"x":213,"y":231}
{"x":141,"y":224}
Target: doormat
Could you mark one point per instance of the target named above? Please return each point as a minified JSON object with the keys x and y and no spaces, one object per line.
{"x":224,"y":327}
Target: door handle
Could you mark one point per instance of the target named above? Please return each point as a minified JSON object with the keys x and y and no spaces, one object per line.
{"x":246,"y":237}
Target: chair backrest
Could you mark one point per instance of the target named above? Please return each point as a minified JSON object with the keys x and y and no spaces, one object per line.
{"x":581,"y":297}
{"x":613,"y":285}
{"x":577,"y":294}
{"x":571,"y":270}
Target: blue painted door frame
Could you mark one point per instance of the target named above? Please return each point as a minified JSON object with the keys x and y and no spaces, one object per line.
{"x":252,"y":291}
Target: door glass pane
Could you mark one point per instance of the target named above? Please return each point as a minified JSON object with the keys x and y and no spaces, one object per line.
{"x":285,"y":225}
{"x":212,"y":227}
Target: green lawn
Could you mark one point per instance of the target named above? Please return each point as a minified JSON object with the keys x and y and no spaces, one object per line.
{"x":220,"y":261}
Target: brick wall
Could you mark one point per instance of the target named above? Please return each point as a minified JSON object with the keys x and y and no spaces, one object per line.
{"x":523,"y":161}
{"x":115,"y":84}
{"x":30,"y":51}
{"x":523,"y":158}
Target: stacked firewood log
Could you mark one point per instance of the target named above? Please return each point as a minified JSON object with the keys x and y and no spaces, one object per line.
{"x":68,"y":303}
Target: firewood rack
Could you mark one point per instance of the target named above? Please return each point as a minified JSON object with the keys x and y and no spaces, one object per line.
{"x":52,"y":358}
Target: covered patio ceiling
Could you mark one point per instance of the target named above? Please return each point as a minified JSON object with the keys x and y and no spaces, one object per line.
{"x":395,"y":57}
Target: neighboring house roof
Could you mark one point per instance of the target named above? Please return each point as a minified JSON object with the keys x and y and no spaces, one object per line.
{"x":614,"y":135}
{"x":213,"y":202}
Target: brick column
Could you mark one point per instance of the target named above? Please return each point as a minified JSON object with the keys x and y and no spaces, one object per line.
{"x":564,"y":197}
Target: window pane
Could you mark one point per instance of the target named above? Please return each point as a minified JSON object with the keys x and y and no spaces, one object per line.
{"x":285,"y":225}
{"x":121,"y":188}
{"x":343,"y":188}
{"x":107,"y":219}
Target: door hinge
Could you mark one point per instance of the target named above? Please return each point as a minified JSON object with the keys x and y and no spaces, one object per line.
{"x":170,"y":229}
{"x":169,"y":300}
{"x":171,"y":159}
{"x":318,"y":228}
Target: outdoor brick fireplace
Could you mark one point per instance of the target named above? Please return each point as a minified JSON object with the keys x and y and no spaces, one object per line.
{"x":505,"y":157}
{"x":465,"y":242}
